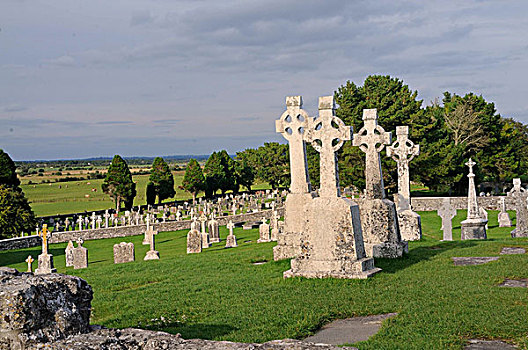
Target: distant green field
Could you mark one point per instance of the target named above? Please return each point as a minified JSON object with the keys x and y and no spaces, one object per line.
{"x":71,"y":197}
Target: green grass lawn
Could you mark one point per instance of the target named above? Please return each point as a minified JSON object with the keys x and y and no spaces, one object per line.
{"x":70,"y":197}
{"x":219,"y":294}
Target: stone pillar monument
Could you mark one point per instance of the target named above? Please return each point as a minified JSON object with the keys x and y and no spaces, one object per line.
{"x":379,"y":220}
{"x":332,"y":241}
{"x":403,"y":151}
{"x":292,"y":125}
{"x":474,"y":227}
{"x":45,"y":260}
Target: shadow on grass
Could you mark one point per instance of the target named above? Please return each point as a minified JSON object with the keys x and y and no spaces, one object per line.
{"x":196,"y":331}
{"x":18,"y":256}
{"x":419,"y":254}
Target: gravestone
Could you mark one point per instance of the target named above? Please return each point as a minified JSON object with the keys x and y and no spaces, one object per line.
{"x":291,"y":125}
{"x":504,"y":217}
{"x":106,"y":216}
{"x":403,"y":151}
{"x":45,"y":260}
{"x":152,"y":253}
{"x":80,"y":256}
{"x":381,"y":233}
{"x":517,"y":189}
{"x":264,"y":232}
{"x":484,"y":215}
{"x":194,"y":241}
{"x":447,"y":212}
{"x":521,"y":209}
{"x":29,"y":261}
{"x":93,"y":220}
{"x":231,"y":241}
{"x":331,"y":241}
{"x":206,"y":243}
{"x":274,"y":223}
{"x":214,"y":230}
{"x":474,"y":227}
{"x":68,"y":253}
{"x":124,"y":252}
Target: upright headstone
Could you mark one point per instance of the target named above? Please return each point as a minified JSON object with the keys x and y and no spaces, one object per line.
{"x":194,"y":241}
{"x":504,"y":217}
{"x":447,"y":212}
{"x":80,"y":256}
{"x":231,"y":239}
{"x":264,"y":232}
{"x":106,"y":216}
{"x":152,"y":253}
{"x":274,"y":223}
{"x":214,"y":230}
{"x":379,"y":220}
{"x":292,"y":124}
{"x":45,"y":260}
{"x":332,"y":241}
{"x":403,"y":151}
{"x":93,"y":220}
{"x":124,"y":252}
{"x":206,"y":243}
{"x":29,"y":261}
{"x":68,"y":253}
{"x":474,"y":227}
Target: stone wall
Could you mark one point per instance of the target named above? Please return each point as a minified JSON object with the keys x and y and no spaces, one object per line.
{"x":434,"y":203}
{"x":126,"y":231}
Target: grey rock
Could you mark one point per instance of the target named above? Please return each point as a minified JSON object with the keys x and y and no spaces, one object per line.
{"x":474,"y":260}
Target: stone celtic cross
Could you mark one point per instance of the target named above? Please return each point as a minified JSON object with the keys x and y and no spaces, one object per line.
{"x":29,"y":261}
{"x":371,"y":139}
{"x":230,"y":226}
{"x":292,"y":125}
{"x":403,"y":151}
{"x":44,"y":235}
{"x":327,"y":133}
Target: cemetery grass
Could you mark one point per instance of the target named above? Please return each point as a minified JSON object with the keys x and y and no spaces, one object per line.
{"x":219,"y":294}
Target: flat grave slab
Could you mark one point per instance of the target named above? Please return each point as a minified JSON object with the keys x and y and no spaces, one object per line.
{"x":512,"y":250}
{"x":521,"y":283}
{"x":473,"y":260}
{"x":478,"y":344}
{"x":350,"y":330}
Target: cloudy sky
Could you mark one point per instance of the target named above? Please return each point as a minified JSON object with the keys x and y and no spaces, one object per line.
{"x":162,"y":77}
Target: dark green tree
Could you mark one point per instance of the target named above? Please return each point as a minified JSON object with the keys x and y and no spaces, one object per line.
{"x":150,"y":193}
{"x":229,"y":178}
{"x":163,"y":179}
{"x":8,"y":174}
{"x":245,"y":175}
{"x":274,"y":164}
{"x":214,"y":174}
{"x":193,"y":180}
{"x":118,"y":182}
{"x":16,"y":215}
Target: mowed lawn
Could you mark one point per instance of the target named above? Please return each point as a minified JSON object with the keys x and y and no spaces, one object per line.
{"x":77,"y":196}
{"x":220,"y":294}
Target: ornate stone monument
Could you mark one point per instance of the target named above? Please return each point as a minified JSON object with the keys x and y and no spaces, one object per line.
{"x":447,"y":212}
{"x":124,"y":252}
{"x":80,"y":256}
{"x":194,"y":241}
{"x":292,"y":125}
{"x":504,"y":217}
{"x":379,"y":221}
{"x":474,"y":227}
{"x":403,"y":151}
{"x":231,"y":239}
{"x":332,"y":241}
{"x":45,"y":260}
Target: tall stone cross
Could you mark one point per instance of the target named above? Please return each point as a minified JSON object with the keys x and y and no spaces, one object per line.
{"x":371,"y":139}
{"x":93,"y":220}
{"x":80,"y":221}
{"x":106,"y":216}
{"x":447,"y":213}
{"x":29,"y":261}
{"x":517,"y":189}
{"x":44,"y":235}
{"x":203,"y":220}
{"x":327,"y":133}
{"x":230,"y":227}
{"x":292,"y":125}
{"x":473,"y":209}
{"x":403,"y":151}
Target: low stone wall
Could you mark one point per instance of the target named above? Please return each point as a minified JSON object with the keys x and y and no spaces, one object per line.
{"x":126,"y":231}
{"x":434,"y":203}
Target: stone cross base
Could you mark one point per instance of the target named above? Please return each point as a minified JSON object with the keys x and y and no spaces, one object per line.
{"x":152,"y":255}
{"x":473,"y":229}
{"x":504,"y":219}
{"x":288,"y":242}
{"x":410,"y":225}
{"x":515,"y":233}
{"x":332,"y":244}
{"x":45,"y":264}
{"x":381,"y":232}
{"x":231,"y":242}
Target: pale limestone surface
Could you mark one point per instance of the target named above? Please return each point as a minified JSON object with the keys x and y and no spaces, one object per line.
{"x":45,"y":260}
{"x":68,"y":253}
{"x":152,"y":253}
{"x":379,"y":221}
{"x":124,"y":252}
{"x":521,"y":209}
{"x":264,"y":232}
{"x":474,"y":227}
{"x":332,"y":241}
{"x":504,"y":217}
{"x":403,"y":151}
{"x":214,"y":231}
{"x":231,"y":241}
{"x":517,"y":189}
{"x":80,"y":256}
{"x":447,"y":212}
{"x":194,"y":242}
{"x":292,"y":125}
{"x":206,"y":243}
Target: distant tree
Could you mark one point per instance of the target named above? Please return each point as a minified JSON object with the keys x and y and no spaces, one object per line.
{"x":151,"y":193}
{"x":163,"y":180}
{"x":229,"y":178}
{"x":16,"y":215}
{"x":245,"y":175}
{"x":8,"y":174}
{"x":274,"y":167}
{"x":214,"y":174}
{"x":193,"y":180}
{"x":118,"y":182}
